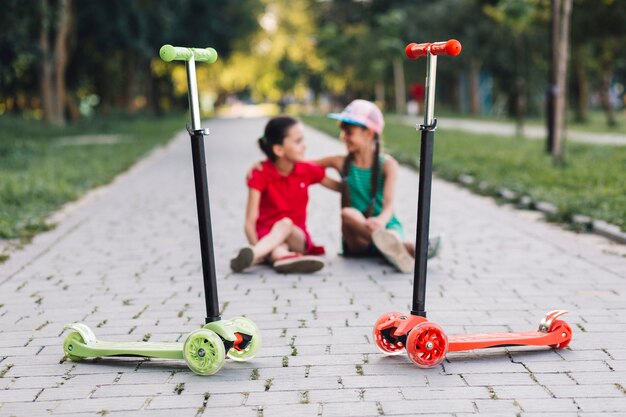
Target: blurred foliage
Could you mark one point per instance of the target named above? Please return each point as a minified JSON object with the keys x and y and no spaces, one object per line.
{"x":302,"y":49}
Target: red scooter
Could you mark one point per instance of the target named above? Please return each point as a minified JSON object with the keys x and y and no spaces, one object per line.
{"x":425,"y":342}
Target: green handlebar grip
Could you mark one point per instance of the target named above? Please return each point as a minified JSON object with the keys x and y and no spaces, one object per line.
{"x":176,"y":53}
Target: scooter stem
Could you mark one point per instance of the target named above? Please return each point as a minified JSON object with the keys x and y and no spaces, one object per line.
{"x":196,"y":133}
{"x":424,"y":191}
{"x":192,"y":93}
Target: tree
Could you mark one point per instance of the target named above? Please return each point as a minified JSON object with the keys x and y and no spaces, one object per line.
{"x":19,"y":55}
{"x":279,"y":58}
{"x":517,"y":15}
{"x":561,"y":12}
{"x":55,"y":23}
{"x":607,"y":19}
{"x":599,"y":48}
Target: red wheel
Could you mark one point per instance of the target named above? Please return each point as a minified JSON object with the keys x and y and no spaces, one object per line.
{"x":561,"y":327}
{"x":385,"y":341}
{"x":427,"y":345}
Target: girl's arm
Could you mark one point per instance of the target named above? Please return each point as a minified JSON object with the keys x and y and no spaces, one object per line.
{"x":331,"y":184}
{"x":334,"y":161}
{"x":390,"y":174}
{"x":252,"y":214}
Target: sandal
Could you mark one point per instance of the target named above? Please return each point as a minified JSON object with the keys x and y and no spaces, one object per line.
{"x":298,"y":263}
{"x":243,"y":260}
{"x":393,"y":249}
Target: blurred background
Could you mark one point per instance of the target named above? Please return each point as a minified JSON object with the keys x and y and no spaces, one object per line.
{"x":62,"y":60}
{"x":83,"y":93}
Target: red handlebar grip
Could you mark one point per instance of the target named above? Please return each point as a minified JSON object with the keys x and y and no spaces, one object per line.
{"x":451,"y":47}
{"x":414,"y":50}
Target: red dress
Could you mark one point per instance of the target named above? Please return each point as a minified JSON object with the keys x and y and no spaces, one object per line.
{"x":285,"y":196}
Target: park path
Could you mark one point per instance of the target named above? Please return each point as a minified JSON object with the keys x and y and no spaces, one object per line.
{"x":530,"y":131}
{"x":125,"y":261}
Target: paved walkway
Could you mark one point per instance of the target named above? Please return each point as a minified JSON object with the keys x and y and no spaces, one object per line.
{"x":126,"y":262}
{"x":530,"y":131}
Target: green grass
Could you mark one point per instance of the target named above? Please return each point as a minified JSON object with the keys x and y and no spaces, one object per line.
{"x":591,"y":181}
{"x":40,"y":171}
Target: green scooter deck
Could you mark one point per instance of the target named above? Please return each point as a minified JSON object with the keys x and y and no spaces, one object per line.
{"x":166,"y":350}
{"x":82,"y":343}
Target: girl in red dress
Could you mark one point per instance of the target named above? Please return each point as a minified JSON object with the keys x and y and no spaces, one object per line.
{"x":275,"y":222}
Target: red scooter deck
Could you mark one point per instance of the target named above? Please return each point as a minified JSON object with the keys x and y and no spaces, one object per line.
{"x":458,"y":342}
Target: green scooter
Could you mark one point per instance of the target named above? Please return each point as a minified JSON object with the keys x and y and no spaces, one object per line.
{"x":204,"y":350}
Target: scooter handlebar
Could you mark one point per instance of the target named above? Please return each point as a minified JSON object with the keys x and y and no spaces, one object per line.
{"x":170,"y":53}
{"x":416,"y":50}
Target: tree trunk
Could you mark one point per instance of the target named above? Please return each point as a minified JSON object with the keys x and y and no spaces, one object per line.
{"x":474,"y":86}
{"x":560,"y":107}
{"x":54,"y":62}
{"x":400,"y":86}
{"x":605,"y":94}
{"x":555,"y":24}
{"x":47,"y":93}
{"x":60,"y":60}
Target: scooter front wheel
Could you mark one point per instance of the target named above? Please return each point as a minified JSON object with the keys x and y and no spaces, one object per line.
{"x":203,"y":351}
{"x":254,"y":344}
{"x":561,"y":327}
{"x":427,"y":345}
{"x":383,"y":336}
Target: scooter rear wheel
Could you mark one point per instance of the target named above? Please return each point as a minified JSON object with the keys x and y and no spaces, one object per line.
{"x":204,"y":352}
{"x":253,"y":345}
{"x":427,"y":345}
{"x":384,"y":340}
{"x":559,"y":326}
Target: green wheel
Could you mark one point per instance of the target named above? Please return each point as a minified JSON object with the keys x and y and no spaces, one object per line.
{"x":204,"y":352}
{"x":249,"y":327}
{"x":68,"y":345}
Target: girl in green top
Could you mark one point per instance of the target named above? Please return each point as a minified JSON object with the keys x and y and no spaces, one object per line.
{"x":368,"y":222}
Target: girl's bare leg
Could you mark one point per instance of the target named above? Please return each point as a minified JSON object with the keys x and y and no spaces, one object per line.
{"x":279,"y":252}
{"x":277,"y":236}
{"x":296,"y":241}
{"x":356,"y":235}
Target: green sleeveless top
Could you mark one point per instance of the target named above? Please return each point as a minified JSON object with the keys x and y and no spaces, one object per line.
{"x":360,"y":187}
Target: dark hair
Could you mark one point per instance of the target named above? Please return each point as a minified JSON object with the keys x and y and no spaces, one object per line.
{"x":345,"y":171}
{"x":275,"y":133}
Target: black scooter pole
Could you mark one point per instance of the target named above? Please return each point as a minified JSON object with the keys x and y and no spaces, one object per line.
{"x":424,"y":191}
{"x":196,"y":133}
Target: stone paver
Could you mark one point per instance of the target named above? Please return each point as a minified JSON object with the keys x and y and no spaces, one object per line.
{"x":125,"y":260}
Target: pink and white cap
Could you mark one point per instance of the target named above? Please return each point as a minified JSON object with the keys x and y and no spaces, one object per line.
{"x":362,"y":113}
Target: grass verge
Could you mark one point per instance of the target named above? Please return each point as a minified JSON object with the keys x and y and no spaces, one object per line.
{"x":591,"y":181}
{"x":42,"y":167}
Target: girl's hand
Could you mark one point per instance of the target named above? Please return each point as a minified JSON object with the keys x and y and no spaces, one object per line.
{"x":374,"y":223}
{"x":258,"y":165}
